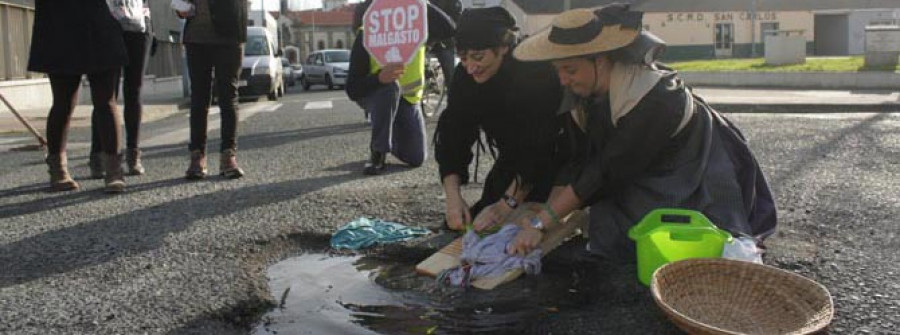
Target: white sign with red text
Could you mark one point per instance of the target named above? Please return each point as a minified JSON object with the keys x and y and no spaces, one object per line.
{"x":393,"y":30}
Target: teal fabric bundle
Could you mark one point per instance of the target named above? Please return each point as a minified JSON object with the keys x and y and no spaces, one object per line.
{"x":364,"y":232}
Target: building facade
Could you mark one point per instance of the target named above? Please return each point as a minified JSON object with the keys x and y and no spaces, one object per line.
{"x":313,"y":30}
{"x":704,"y":29}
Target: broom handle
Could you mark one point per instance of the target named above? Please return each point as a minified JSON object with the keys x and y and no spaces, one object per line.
{"x":34,"y":132}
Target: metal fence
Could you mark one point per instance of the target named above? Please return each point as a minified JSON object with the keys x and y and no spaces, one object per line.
{"x":16,"y":21}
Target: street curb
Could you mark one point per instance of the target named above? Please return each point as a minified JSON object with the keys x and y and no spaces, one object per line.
{"x":806,"y":108}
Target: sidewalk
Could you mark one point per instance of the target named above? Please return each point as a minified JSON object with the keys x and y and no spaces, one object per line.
{"x":737,"y":100}
{"x":155,"y":108}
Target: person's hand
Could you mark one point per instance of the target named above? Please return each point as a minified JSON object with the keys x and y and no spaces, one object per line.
{"x":457,"y":214}
{"x":491,"y":216}
{"x":525,"y":241}
{"x":390,"y":72}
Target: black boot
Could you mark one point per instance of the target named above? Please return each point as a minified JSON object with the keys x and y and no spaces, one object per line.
{"x":375,"y":165}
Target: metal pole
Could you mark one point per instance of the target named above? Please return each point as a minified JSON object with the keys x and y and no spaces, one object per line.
{"x":31,"y":129}
{"x":753,"y":29}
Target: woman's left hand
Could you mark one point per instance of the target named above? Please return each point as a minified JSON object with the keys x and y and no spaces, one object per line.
{"x":490,"y":216}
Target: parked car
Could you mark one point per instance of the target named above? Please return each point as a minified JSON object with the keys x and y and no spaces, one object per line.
{"x":298,"y":71}
{"x":326,"y":67}
{"x":261,"y":71}
{"x":288,"y":72}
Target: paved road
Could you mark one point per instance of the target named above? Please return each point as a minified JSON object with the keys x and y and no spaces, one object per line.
{"x":171,"y":256}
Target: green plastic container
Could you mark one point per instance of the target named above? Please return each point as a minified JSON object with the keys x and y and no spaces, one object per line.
{"x":667,"y":235}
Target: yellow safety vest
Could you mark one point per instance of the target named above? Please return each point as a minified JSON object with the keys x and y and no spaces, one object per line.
{"x":413,"y":79}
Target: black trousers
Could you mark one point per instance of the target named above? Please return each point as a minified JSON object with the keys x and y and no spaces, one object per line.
{"x":225,"y":60}
{"x":138,"y":47}
{"x":65,"y":97}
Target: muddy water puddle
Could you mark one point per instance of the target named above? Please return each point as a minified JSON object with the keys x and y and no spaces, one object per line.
{"x":330,"y":294}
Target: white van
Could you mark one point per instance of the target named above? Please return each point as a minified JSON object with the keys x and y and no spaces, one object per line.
{"x":261,"y":72}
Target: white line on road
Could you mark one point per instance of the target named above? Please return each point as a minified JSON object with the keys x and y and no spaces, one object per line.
{"x":273,"y":108}
{"x":318,"y":105}
{"x":182,"y":134}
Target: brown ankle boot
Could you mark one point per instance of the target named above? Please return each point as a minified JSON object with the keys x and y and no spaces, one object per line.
{"x":95,"y":163}
{"x":228,"y":166}
{"x":115,"y":177}
{"x":133,"y":160}
{"x":197,"y":169}
{"x":60,"y":180}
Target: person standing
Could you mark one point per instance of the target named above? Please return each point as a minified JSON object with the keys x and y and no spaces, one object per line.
{"x":134,"y":17}
{"x":214,"y":36}
{"x":71,"y":39}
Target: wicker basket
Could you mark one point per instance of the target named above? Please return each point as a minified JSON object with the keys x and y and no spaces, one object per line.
{"x":721,"y":296}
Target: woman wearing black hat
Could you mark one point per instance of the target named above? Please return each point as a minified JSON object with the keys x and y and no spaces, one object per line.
{"x":513,"y":104}
{"x":640,"y":138}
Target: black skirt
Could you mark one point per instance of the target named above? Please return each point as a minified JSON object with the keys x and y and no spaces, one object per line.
{"x":75,"y":37}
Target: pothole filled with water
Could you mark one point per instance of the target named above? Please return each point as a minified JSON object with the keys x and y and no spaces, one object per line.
{"x":319,"y":293}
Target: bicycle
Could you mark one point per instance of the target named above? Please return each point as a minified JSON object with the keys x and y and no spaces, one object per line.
{"x":435,"y":90}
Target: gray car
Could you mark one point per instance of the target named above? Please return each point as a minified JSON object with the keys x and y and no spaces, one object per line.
{"x":326,"y":67}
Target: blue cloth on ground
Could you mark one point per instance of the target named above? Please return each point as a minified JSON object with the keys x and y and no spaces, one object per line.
{"x":484,"y":257}
{"x":364,"y":232}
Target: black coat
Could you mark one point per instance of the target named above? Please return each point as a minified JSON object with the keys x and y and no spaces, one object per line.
{"x":75,"y":37}
{"x":229,"y":19}
{"x":516,"y":111}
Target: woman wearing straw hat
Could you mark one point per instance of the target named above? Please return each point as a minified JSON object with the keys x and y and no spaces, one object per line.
{"x":640,"y":139}
{"x":514,"y":104}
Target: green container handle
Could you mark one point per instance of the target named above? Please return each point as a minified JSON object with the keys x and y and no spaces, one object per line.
{"x":672,"y":217}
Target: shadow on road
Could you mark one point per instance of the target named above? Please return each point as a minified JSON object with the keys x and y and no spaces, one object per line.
{"x":804,"y":161}
{"x":261,"y":140}
{"x":101,"y":241}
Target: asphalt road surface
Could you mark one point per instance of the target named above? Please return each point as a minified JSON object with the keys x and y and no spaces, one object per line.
{"x":171,"y":256}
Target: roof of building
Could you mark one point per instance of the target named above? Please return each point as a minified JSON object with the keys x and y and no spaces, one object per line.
{"x":342,"y":16}
{"x":24,"y":3}
{"x":556,"y":6}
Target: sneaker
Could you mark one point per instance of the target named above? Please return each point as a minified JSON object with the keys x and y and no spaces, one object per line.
{"x":375,"y":165}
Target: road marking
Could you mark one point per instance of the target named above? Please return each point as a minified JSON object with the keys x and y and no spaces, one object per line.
{"x":12,"y":140}
{"x":182,"y":134}
{"x":273,"y":108}
{"x":318,"y":105}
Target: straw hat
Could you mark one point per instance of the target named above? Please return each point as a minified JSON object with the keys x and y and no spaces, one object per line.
{"x":581,"y":32}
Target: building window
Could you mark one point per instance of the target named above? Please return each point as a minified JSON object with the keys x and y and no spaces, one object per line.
{"x":724,"y":36}
{"x":339,"y":44}
{"x":321,"y":45}
{"x":767,"y":29}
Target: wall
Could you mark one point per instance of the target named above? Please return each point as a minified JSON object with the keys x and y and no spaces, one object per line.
{"x":691,"y":35}
{"x":481,"y":3}
{"x":15,"y":41}
{"x":331,"y":36}
{"x":858,"y":20}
